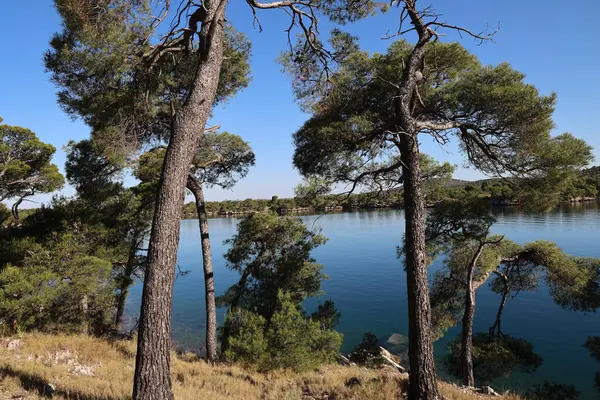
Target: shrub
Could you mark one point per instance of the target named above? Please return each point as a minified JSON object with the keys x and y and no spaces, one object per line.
{"x":289,"y":340}
{"x":494,"y":357}
{"x":368,"y":353}
{"x":552,"y":391}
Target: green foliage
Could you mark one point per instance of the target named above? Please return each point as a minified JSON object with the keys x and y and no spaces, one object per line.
{"x":552,"y":391}
{"x":91,"y":245}
{"x":247,"y":342}
{"x":289,"y":340}
{"x":271,"y":254}
{"x":297,"y":342}
{"x":592,"y":344}
{"x":455,"y":221}
{"x":447,"y":298}
{"x":458,"y":230}
{"x":312,"y":191}
{"x":108,"y":75}
{"x":222,"y":159}
{"x":368,"y":353}
{"x":26,"y":166}
{"x":4,"y":214}
{"x":494,"y":357}
{"x":575,"y":284}
{"x":65,"y":283}
{"x":579,"y":187}
{"x":326,"y":315}
{"x":94,"y":175}
{"x":266,"y":324}
{"x":502,"y":124}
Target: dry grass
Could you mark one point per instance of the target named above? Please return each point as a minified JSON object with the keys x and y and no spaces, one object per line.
{"x":92,"y":369}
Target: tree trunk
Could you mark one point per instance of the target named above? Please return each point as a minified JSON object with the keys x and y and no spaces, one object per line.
{"x":495,"y":330}
{"x":467,"y":340}
{"x":15,"y":207}
{"x":209,"y":283}
{"x":232,"y":306}
{"x":422,"y":377}
{"x":85,"y":312}
{"x":126,"y":280}
{"x":466,"y":351}
{"x":152,"y":379}
{"x":126,"y":283}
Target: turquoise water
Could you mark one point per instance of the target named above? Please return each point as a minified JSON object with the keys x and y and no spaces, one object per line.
{"x":368,"y":285}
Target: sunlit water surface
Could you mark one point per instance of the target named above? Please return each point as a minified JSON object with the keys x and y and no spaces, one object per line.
{"x":368,"y":285}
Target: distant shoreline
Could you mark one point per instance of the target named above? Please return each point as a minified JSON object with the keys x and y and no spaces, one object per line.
{"x":307,"y":211}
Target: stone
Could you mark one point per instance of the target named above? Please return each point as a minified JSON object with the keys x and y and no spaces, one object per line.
{"x":343,"y":360}
{"x":488,"y":390}
{"x":49,"y":389}
{"x":392,"y":360}
{"x":397,"y":344}
{"x":354,"y":381}
{"x":397,"y":339}
{"x":79,"y":369}
{"x":14,"y":344}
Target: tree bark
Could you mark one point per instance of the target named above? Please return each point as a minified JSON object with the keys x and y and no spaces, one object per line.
{"x":466,"y":354}
{"x":85,"y":311}
{"x":152,"y":379}
{"x":121,"y":300}
{"x":125,"y":284}
{"x":422,"y":377}
{"x":495,"y":329}
{"x":209,"y":283}
{"x":137,"y":239}
{"x":15,"y":207}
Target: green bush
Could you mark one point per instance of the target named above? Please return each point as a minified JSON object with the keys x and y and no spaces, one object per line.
{"x":61,"y":285}
{"x":368,"y":353}
{"x":494,"y":357}
{"x":247,"y":342}
{"x":289,"y":340}
{"x":326,"y":315}
{"x":552,"y":391}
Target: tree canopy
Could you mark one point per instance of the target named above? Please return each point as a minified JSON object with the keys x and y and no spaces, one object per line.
{"x":221,"y":160}
{"x":102,"y":63}
{"x":266,"y":324}
{"x":26,"y":164}
{"x":501,"y":123}
{"x":272,"y":254}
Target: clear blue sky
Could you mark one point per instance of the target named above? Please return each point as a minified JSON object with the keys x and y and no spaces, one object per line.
{"x":554,"y":43}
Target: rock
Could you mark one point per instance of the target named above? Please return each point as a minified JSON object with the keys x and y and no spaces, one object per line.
{"x":488,"y":390}
{"x":352,"y":382}
{"x":394,"y":361}
{"x":49,"y":389}
{"x":14,"y":344}
{"x":79,"y":370}
{"x":397,"y":346}
{"x":397,"y":339}
{"x":62,"y":357}
{"x":342,"y":359}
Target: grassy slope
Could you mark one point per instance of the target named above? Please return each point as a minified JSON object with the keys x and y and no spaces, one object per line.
{"x":92,"y":369}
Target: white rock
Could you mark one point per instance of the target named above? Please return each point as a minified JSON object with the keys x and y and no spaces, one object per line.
{"x":397,"y":339}
{"x":489,"y":390}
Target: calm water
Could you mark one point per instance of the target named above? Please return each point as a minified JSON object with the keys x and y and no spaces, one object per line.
{"x":368,"y":285}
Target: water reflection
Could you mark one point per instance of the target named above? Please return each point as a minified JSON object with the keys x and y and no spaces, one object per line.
{"x":368,"y":285}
